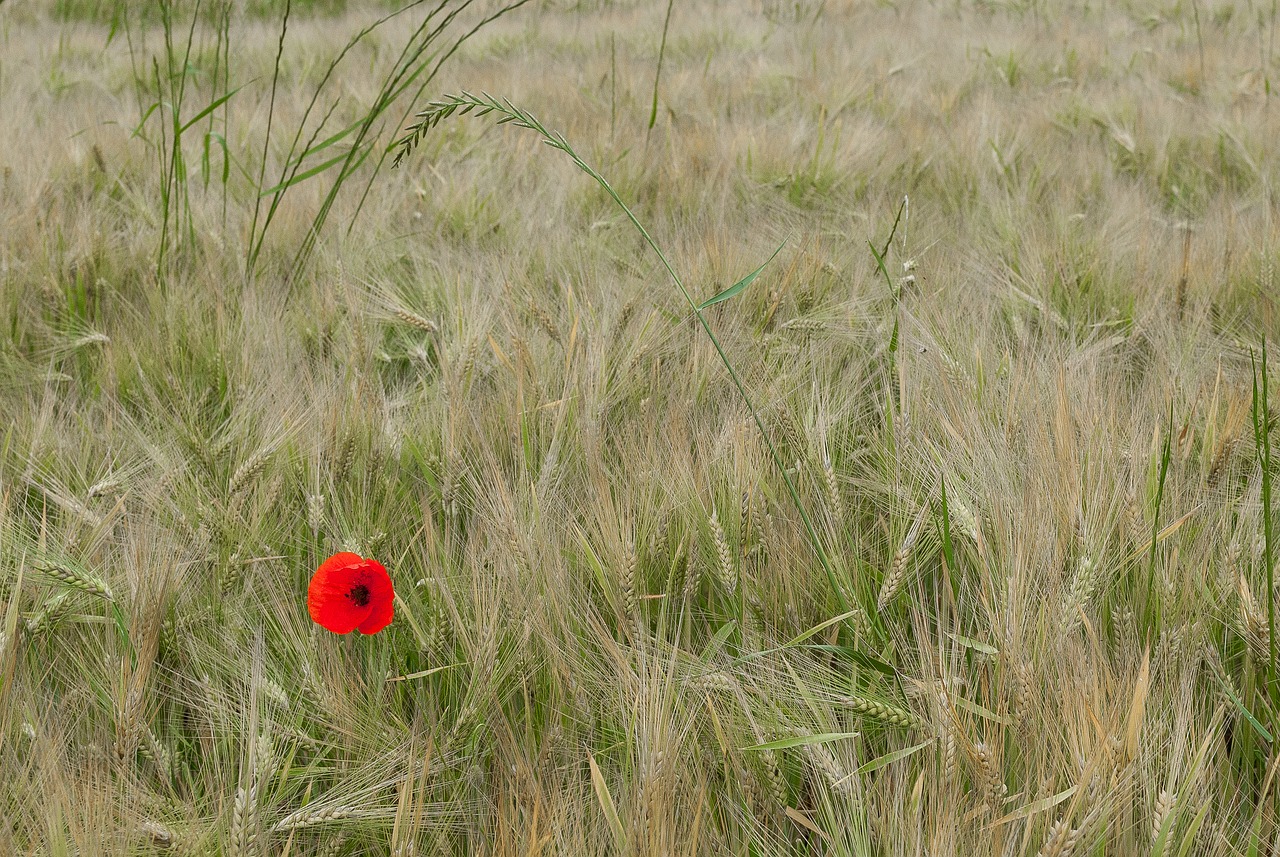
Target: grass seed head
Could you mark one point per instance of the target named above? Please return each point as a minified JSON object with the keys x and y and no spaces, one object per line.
{"x":725,"y":569}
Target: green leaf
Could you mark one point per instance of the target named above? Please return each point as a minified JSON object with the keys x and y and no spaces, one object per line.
{"x":1036,"y":806}
{"x":890,"y":758}
{"x":137,"y":131}
{"x":948,"y":550}
{"x":1255,"y":837}
{"x":737,"y":287}
{"x":1155,"y":521}
{"x":607,"y":806}
{"x":803,"y":740}
{"x":327,"y":142}
{"x":975,"y":708}
{"x":1253,"y":721}
{"x":215,"y":137}
{"x":316,"y":170}
{"x":596,"y":564}
{"x":822,"y":626}
{"x":422,"y":674}
{"x":880,"y":266}
{"x":122,"y":629}
{"x":874,"y":663}
{"x":970,"y":643}
{"x":881,"y":255}
{"x":213,"y":105}
{"x":1165,"y":831}
{"x":662,"y":50}
{"x":717,"y":641}
{"x":1189,"y":840}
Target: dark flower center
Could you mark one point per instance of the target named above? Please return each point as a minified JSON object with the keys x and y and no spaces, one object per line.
{"x":360,"y":595}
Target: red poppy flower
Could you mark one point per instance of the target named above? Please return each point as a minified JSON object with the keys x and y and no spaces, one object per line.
{"x":348,"y":592}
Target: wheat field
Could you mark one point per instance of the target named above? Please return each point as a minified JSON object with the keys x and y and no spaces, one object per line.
{"x":950,"y":533}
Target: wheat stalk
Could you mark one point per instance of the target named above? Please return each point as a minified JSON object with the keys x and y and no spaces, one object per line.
{"x":310,"y":817}
{"x":630,"y":599}
{"x":1024,"y":683}
{"x":248,"y":471}
{"x":76,"y":578}
{"x":343,"y":458}
{"x":791,"y":435}
{"x":1229,"y":571}
{"x":161,"y":835}
{"x":748,"y":522}
{"x":1255,"y":630}
{"x":692,"y":574}
{"x":991,"y":787}
{"x":835,"y":505}
{"x":725,"y":570}
{"x":884,"y":712}
{"x":1083,"y":583}
{"x":1136,"y":519}
{"x":719,"y":682}
{"x":775,"y":783}
{"x":544,"y":321}
{"x":896,"y":576}
{"x":1163,"y":807}
{"x":414,"y":320}
{"x":821,"y":759}
{"x":950,"y":753}
{"x":127,"y":721}
{"x":157,"y":752}
{"x":49,"y":615}
{"x":965,"y":519}
{"x":244,"y":822}
{"x":1061,"y":840}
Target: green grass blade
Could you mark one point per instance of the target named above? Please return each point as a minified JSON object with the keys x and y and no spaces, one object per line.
{"x":821,"y":626}
{"x":948,"y":549}
{"x":212,"y":106}
{"x":607,"y":806}
{"x":890,"y":758}
{"x":1189,"y":839}
{"x":715,"y":643}
{"x":657,"y":75}
{"x":304,"y":175}
{"x":1153,"y":612}
{"x":738,"y":287}
{"x":328,"y":141}
{"x":1248,"y":715}
{"x":803,"y":741}
{"x":421,"y":673}
{"x":1163,"y":834}
{"x":1261,"y":410}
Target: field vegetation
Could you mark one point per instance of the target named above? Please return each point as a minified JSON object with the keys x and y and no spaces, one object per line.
{"x":953,"y":532}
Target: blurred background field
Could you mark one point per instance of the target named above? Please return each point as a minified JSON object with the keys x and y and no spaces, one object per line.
{"x":1036,"y":448}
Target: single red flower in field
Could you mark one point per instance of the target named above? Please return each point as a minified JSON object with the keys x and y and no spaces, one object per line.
{"x":348,"y":592}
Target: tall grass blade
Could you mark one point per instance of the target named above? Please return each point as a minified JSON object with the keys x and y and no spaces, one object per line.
{"x":1153,"y":602}
{"x":1261,"y":412}
{"x":657,"y":75}
{"x":738,"y":287}
{"x":607,"y":806}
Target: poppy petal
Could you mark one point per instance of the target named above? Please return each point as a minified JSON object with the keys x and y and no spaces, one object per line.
{"x":339,"y":561}
{"x":328,"y":596}
{"x":381,"y":597}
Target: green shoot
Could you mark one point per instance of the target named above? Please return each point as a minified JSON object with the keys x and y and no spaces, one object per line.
{"x":657,"y":75}
{"x":1262,"y":447}
{"x":1153,"y":606}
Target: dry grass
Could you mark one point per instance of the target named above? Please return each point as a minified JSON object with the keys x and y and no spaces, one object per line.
{"x":483,"y":379}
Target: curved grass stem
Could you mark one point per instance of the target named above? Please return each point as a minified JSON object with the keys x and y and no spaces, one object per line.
{"x":508,"y":113}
